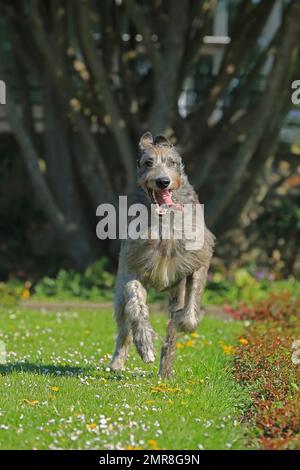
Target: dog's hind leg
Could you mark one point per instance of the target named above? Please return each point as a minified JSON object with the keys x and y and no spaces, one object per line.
{"x":124,"y":338}
{"x":137,"y":313}
{"x":168,"y":350}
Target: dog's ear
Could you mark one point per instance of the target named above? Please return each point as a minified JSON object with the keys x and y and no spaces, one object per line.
{"x":162,"y":140}
{"x":146,"y":141}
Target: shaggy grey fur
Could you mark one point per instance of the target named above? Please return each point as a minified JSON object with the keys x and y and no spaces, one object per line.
{"x":164,"y":264}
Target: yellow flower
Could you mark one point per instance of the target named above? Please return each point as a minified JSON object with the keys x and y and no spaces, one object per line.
{"x":133,"y":448}
{"x":25,"y":294}
{"x":152,"y":442}
{"x":55,"y":389}
{"x":228,"y":349}
{"x":156,"y":389}
{"x":244,"y":341}
{"x":190,"y":343}
{"x":91,"y":426}
{"x":195,"y":381}
{"x":195,"y":335}
{"x":173,"y":390}
{"x":30,"y":402}
{"x":164,"y":388}
{"x":179,"y":345}
{"x":188,"y":391}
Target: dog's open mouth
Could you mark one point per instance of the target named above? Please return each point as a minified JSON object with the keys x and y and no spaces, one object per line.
{"x":163,"y":200}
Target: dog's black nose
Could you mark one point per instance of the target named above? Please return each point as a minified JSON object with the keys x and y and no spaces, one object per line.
{"x":163,"y":183}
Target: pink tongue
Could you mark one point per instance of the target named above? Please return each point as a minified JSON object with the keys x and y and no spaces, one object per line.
{"x":164,"y":197}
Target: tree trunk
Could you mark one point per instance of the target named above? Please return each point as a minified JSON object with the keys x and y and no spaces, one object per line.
{"x":63,"y":181}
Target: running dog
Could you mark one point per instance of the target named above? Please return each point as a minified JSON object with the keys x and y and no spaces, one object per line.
{"x":164,"y":264}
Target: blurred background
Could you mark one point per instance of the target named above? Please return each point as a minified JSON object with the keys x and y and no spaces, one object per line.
{"x":85,"y":78}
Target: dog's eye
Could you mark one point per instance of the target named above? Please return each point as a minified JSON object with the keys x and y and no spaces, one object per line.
{"x":149,"y":163}
{"x":172,"y":162}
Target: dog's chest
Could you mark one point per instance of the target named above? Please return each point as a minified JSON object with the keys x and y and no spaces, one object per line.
{"x":161,"y":263}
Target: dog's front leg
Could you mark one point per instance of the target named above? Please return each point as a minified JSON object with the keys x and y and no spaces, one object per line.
{"x":168,"y":350}
{"x":188,"y":319}
{"x":137,"y":313}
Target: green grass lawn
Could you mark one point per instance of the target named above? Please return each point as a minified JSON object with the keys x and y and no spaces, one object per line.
{"x":56,"y":391}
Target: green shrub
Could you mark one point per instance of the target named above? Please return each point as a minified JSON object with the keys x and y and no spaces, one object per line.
{"x":11,"y":293}
{"x":95,"y":283}
{"x":244,"y":286}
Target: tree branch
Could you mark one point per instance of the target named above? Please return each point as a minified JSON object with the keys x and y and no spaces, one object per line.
{"x":228,"y":128}
{"x":136,"y":15}
{"x":62,"y":87}
{"x":234,"y":54}
{"x":97,"y":69}
{"x":43,"y":194}
{"x":194,"y":43}
{"x":285,"y":59}
{"x":164,"y":106}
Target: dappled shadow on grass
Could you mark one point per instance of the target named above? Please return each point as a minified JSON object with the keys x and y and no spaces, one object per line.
{"x":43,"y":369}
{"x":74,"y":371}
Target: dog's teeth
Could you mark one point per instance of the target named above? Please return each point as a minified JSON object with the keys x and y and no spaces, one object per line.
{"x":161,"y":210}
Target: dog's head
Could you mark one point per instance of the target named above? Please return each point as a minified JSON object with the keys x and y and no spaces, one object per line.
{"x":160,"y":171}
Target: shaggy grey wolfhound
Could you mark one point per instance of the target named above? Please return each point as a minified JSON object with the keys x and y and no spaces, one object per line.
{"x":164,"y":264}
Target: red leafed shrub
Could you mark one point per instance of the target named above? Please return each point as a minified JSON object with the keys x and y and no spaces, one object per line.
{"x":264,"y":363}
{"x":281,"y":426}
{"x":279,"y":307}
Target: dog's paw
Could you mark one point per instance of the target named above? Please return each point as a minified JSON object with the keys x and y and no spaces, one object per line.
{"x":188,"y":322}
{"x":116,"y":365}
{"x":143,"y":340}
{"x":146,"y":351}
{"x":148,"y":357}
